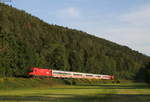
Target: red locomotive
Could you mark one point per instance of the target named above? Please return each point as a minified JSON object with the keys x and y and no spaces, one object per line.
{"x":67,"y":74}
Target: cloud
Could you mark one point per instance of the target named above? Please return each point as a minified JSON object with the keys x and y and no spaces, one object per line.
{"x":134,"y":29}
{"x":70,"y":12}
{"x":139,"y":17}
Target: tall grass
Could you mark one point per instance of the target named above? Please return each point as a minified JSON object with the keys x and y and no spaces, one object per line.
{"x":130,"y":92}
{"x":20,"y":83}
{"x":15,"y":83}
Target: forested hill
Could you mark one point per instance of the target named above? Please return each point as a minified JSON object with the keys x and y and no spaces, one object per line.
{"x":29,"y":42}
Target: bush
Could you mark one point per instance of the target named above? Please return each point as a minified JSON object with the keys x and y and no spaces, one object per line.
{"x":148,"y":76}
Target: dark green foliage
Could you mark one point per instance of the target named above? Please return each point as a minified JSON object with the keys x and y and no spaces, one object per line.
{"x":29,"y":42}
{"x":144,"y":73}
{"x":148,"y":76}
{"x":147,"y":73}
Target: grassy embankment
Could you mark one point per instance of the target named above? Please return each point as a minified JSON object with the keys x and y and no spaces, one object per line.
{"x":24,"y":83}
{"x":59,"y":92}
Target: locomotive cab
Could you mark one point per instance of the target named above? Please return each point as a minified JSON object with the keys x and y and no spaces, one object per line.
{"x":40,"y":72}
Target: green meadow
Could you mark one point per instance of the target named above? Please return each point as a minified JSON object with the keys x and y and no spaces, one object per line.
{"x":121,"y":92}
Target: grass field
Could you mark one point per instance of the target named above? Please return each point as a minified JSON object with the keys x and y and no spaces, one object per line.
{"x":133,"y":92}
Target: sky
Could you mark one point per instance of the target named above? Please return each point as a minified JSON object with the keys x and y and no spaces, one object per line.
{"x":125,"y":22}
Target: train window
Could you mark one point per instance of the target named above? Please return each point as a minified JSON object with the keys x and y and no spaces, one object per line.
{"x":78,"y":74}
{"x":89,"y":75}
{"x":66,"y":73}
{"x":98,"y":76}
{"x":61,"y":73}
{"x":56,"y":73}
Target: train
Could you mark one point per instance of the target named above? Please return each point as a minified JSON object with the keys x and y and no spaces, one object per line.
{"x":41,"y":72}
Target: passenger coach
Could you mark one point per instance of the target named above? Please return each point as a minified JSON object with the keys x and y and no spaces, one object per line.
{"x":66,"y":74}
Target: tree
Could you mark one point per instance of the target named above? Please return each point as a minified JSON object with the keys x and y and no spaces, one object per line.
{"x":147,"y":78}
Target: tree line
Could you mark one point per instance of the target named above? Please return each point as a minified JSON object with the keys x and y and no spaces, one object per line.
{"x":29,"y":42}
